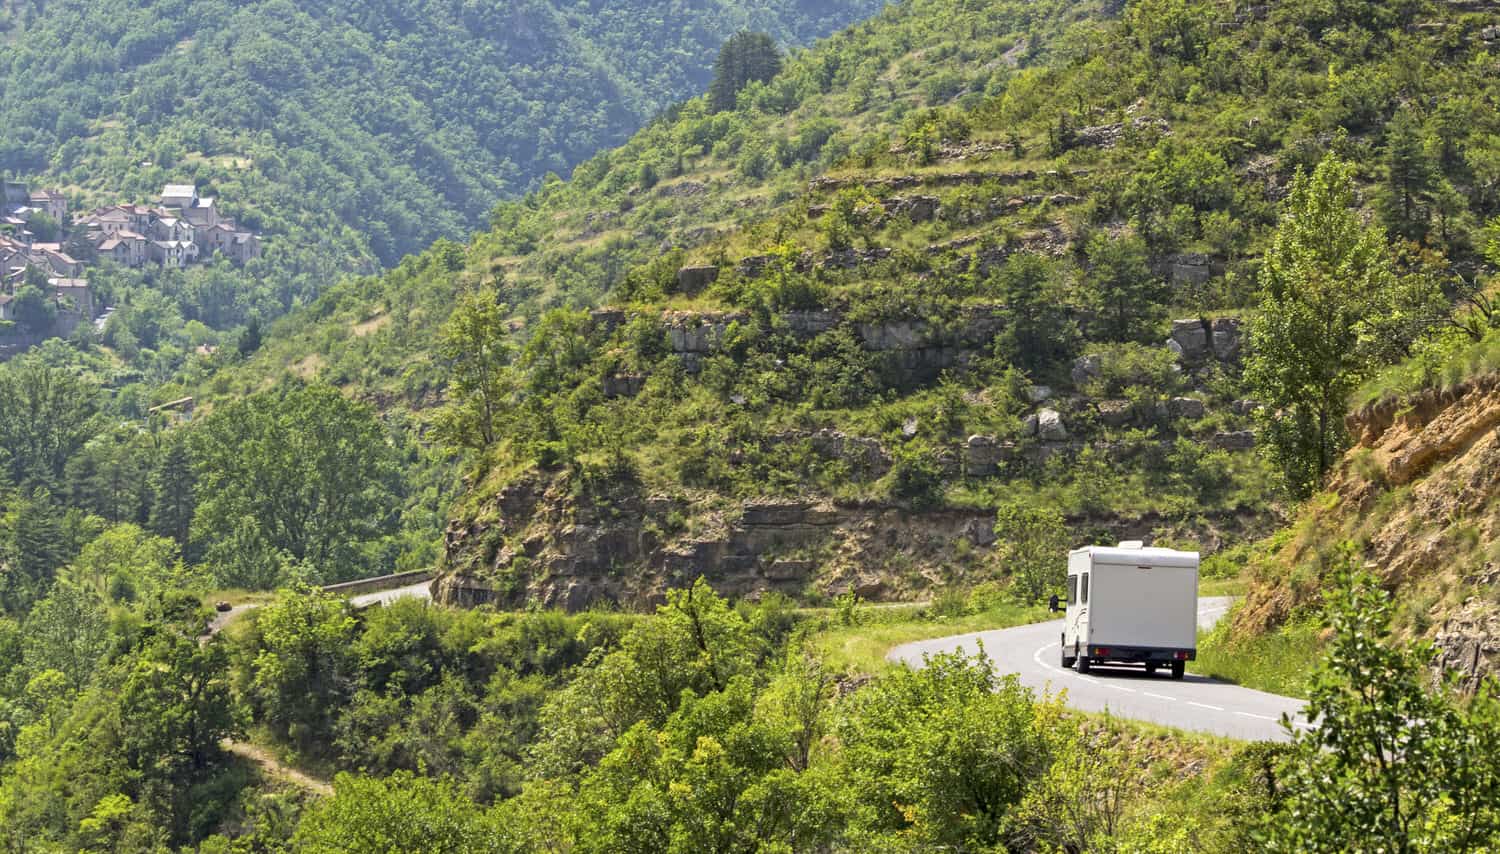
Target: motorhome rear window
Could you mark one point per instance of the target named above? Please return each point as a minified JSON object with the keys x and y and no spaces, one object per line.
{"x":1072,"y":589}
{"x":1083,"y":591}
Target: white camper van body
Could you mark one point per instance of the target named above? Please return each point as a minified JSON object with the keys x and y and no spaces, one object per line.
{"x":1129,"y":604}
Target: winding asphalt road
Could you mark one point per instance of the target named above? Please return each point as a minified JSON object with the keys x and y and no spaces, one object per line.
{"x":420,"y":590}
{"x":1192,"y":703}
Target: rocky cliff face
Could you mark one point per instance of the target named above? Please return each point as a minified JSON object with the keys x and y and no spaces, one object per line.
{"x":1420,"y":494}
{"x":541,"y":540}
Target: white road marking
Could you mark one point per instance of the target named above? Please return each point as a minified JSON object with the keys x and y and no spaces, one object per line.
{"x":1205,"y":706}
{"x":1037,"y":657}
{"x":1257,"y":717}
{"x":1161,"y":697}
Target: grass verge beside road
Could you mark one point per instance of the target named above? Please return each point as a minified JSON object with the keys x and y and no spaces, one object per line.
{"x":861,"y":647}
{"x":1280,"y":662}
{"x":238,"y":596}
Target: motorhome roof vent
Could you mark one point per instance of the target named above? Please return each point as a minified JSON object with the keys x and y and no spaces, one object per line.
{"x":1132,"y":544}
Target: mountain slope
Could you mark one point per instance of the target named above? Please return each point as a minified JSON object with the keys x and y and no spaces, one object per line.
{"x":350,"y":132}
{"x":955,"y":258}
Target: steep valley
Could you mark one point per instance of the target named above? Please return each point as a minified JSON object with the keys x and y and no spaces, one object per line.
{"x":837,"y":358}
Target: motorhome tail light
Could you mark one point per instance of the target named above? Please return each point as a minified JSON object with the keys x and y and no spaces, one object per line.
{"x":1101,"y":651}
{"x":1181,"y":656}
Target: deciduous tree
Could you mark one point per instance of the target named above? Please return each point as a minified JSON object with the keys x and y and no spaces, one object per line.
{"x":1032,"y":548}
{"x":1330,"y":306}
{"x":1390,"y":765}
{"x":475,"y":344}
{"x":311,"y":470}
{"x":46,"y":414}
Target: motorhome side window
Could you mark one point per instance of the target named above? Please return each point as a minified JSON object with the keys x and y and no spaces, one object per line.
{"x":1072,"y":589}
{"x":1083,"y":592}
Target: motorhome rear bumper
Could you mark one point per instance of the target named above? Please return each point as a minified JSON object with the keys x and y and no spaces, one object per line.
{"x":1099,"y":653}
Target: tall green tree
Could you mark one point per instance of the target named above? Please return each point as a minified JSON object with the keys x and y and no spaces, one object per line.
{"x":1329,"y":295}
{"x":745,"y":58}
{"x":1032,"y":548}
{"x":474,"y":344}
{"x":108,"y":476}
{"x":67,"y":632}
{"x":303,"y":666}
{"x":1040,"y":331}
{"x":1129,"y":297}
{"x":172,"y":491}
{"x":178,"y":706}
{"x":312,"y":470}
{"x":46,"y":414}
{"x":1411,"y":177}
{"x":36,"y":549}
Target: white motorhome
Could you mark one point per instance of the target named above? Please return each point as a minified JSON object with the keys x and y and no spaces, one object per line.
{"x":1131,"y":604}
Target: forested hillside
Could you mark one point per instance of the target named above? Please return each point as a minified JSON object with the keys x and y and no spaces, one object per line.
{"x":947,"y":293}
{"x":928,"y":269}
{"x":349,"y":133}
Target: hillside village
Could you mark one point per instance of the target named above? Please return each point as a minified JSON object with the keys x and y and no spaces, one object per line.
{"x":39,"y":246}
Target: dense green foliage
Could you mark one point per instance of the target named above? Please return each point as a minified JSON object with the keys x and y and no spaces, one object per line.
{"x":112,"y":732}
{"x":348,"y":134}
{"x":302,"y":475}
{"x":295,"y":483}
{"x":1036,"y":165}
{"x":704,"y":727}
{"x":1333,"y":307}
{"x":1390,"y":760}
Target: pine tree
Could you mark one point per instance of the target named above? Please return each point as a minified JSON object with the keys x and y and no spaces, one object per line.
{"x":250,"y":339}
{"x":172,"y":482}
{"x":1126,"y":293}
{"x":36,"y":551}
{"x":745,"y":58}
{"x":1410,"y":177}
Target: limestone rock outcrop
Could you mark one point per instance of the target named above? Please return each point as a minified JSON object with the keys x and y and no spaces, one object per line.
{"x":1421,"y":493}
{"x":1196,"y":341}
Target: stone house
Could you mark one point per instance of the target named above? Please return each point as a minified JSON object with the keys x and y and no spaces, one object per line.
{"x":58,"y":262}
{"x":50,"y":202}
{"x":202,"y":214}
{"x":173,"y":254}
{"x":140,"y":217}
{"x":108,"y":221}
{"x":116,"y":250}
{"x":246,"y":247}
{"x":170,"y":228}
{"x":179,"y":196}
{"x":125,"y":248}
{"x":73,"y":295}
